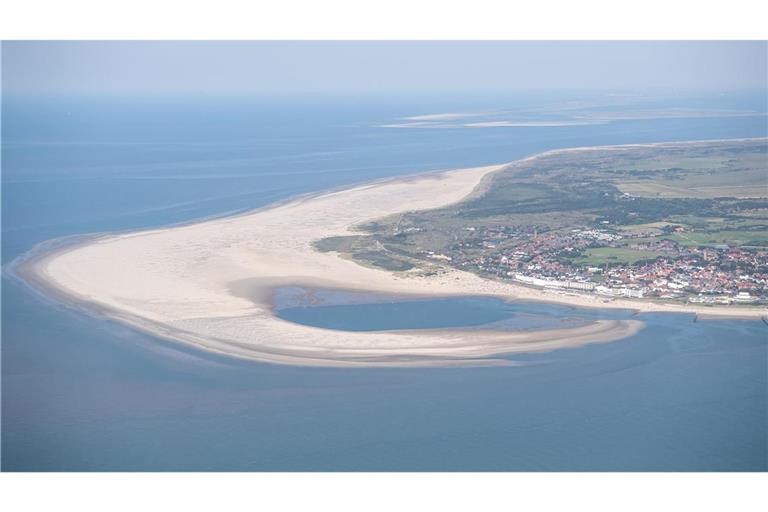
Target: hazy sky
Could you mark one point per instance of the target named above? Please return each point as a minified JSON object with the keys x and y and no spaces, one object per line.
{"x":244,"y":67}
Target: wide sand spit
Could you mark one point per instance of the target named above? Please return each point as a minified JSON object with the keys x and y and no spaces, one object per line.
{"x":209,"y":284}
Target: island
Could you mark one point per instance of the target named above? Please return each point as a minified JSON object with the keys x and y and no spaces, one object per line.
{"x":673,"y":222}
{"x":563,"y":226}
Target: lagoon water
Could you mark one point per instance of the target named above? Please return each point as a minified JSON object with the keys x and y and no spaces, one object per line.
{"x":355,"y":311}
{"x":80,"y":393}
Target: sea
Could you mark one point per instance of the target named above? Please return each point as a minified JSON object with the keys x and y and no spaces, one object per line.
{"x":81,"y":393}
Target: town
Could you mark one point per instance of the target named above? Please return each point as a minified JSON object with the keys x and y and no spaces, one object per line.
{"x":680,"y":223}
{"x":613,"y":263}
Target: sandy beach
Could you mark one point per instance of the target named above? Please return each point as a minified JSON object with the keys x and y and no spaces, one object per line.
{"x":209,"y":284}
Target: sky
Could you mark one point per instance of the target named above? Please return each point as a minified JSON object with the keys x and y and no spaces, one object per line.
{"x":227,"y":67}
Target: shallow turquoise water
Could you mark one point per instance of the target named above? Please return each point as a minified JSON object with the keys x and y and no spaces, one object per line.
{"x":84,"y":394}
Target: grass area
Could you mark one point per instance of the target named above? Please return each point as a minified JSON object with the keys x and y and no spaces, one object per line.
{"x":681,"y":189}
{"x":667,"y":163}
{"x":744,"y":221}
{"x":732,"y":238}
{"x":383,"y":260}
{"x":695,"y":186}
{"x":648,"y":226}
{"x":338,"y":243}
{"x":746,"y":176}
{"x":609,"y":255}
{"x":366,"y":250}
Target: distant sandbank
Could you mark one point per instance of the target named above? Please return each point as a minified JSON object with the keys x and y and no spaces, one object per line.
{"x":186,"y":283}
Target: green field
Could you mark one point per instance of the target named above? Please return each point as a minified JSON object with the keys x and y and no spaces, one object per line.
{"x":732,"y":238}
{"x":610,"y":255}
{"x":698,"y":187}
{"x":701,"y":177}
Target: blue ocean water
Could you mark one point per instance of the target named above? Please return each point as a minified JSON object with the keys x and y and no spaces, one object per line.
{"x":79,"y":393}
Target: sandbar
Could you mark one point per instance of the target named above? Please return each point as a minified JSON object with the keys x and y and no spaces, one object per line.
{"x":185,"y":283}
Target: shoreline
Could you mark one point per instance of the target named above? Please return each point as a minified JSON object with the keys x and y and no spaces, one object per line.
{"x":176,"y":282}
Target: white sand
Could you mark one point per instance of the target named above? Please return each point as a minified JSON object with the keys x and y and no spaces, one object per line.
{"x":186,"y":283}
